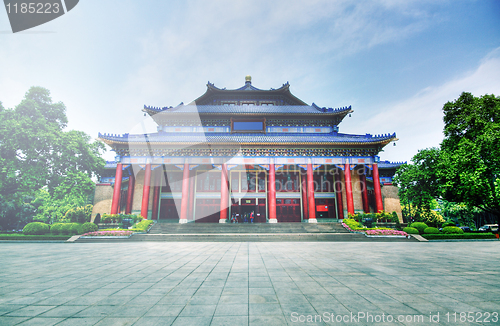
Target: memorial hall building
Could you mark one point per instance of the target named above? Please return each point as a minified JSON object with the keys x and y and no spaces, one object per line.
{"x":232,"y":152}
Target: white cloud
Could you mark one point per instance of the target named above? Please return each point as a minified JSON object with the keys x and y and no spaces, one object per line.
{"x":418,"y":121}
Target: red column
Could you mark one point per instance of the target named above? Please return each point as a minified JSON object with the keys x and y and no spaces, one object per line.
{"x":304,"y":196}
{"x":130,"y":193}
{"x":115,"y":203}
{"x":145,"y":191}
{"x":156,"y":195}
{"x":348,"y":189}
{"x":191,"y":196}
{"x":185,"y":193}
{"x":364,"y":193}
{"x":338,"y":193}
{"x":310,"y":193}
{"x":378,"y":192}
{"x":272,"y":195}
{"x":224,"y":194}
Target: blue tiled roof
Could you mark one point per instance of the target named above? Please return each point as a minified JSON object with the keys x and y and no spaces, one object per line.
{"x":249,"y":109}
{"x":389,"y":165}
{"x":246,"y":138}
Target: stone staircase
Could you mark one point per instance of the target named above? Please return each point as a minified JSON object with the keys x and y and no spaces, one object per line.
{"x":246,"y":228}
{"x":245,"y":232}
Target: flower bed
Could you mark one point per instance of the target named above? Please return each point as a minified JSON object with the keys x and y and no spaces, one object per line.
{"x":399,"y":234}
{"x":377,"y":232}
{"x":106,"y":234}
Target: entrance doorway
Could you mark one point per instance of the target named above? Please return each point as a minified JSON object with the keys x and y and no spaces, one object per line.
{"x":246,"y":208}
{"x":288,"y":210}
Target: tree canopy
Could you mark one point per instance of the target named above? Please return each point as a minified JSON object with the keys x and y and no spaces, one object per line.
{"x":36,"y":152}
{"x":466,"y":167}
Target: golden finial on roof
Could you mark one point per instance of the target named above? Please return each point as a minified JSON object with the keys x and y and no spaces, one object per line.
{"x":248,"y":78}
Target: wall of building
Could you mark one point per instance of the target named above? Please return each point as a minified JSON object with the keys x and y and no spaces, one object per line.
{"x":391,"y":200}
{"x":356,"y":191}
{"x":103,"y":196}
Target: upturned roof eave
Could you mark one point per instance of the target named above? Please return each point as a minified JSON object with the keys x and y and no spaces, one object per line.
{"x":115,"y":142}
{"x":152,"y":113}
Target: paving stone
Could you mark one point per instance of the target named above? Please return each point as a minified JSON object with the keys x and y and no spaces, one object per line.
{"x":116,"y":321}
{"x":8,"y":321}
{"x":229,"y":321}
{"x":192,"y":321}
{"x":77,"y":321}
{"x":37,"y":321}
{"x":231,"y":310}
{"x":155,"y":321}
{"x":30,"y":311}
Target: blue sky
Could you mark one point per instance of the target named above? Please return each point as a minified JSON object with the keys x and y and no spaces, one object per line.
{"x":395,"y":62}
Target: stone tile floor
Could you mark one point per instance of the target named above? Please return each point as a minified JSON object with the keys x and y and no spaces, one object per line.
{"x":212,"y":283}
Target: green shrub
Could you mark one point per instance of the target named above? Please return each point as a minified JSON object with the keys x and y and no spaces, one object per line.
{"x":464,"y":236}
{"x":431,"y":230}
{"x":410,"y":230}
{"x":78,"y":214}
{"x":452,"y":230}
{"x":87,"y":227}
{"x":420,"y":226}
{"x":70,"y":228}
{"x":448,"y":223}
{"x":353,"y":224}
{"x":36,"y":228}
{"x":143,"y":225}
{"x":56,"y":228}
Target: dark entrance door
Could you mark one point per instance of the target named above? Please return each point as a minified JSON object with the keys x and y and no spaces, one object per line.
{"x":247,"y":207}
{"x":168,"y":210}
{"x":207,"y":210}
{"x":288,"y":210}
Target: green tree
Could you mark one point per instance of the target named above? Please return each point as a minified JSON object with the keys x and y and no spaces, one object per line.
{"x":35,"y":152}
{"x":470,"y":160}
{"x":418,"y":183}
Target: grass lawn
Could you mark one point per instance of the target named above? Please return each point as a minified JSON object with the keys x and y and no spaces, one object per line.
{"x":20,"y":236}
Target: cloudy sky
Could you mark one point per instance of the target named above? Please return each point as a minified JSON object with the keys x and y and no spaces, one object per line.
{"x":396,"y":62}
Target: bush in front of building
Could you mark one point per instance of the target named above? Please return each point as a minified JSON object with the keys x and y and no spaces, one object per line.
{"x":143,"y":225}
{"x":410,"y":230}
{"x":36,"y":228}
{"x":70,"y":228}
{"x":56,"y":228}
{"x":420,"y":226}
{"x":87,"y":227}
{"x":352,"y":224}
{"x":79,"y":214}
{"x":448,"y":223}
{"x":431,"y":230}
{"x":452,"y":230}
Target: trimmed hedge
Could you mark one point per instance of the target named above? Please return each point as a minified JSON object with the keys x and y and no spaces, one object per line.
{"x":56,"y":228}
{"x":70,"y":228}
{"x":448,"y":223}
{"x":410,"y":230}
{"x":431,"y":230}
{"x":464,"y":236}
{"x":452,"y":230}
{"x":87,"y":227}
{"x":36,"y":228}
{"x":420,"y":226}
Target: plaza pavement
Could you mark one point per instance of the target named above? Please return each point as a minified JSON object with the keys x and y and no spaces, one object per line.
{"x":238,"y":283}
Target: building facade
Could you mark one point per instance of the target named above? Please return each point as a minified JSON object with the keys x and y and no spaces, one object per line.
{"x":232,"y":152}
